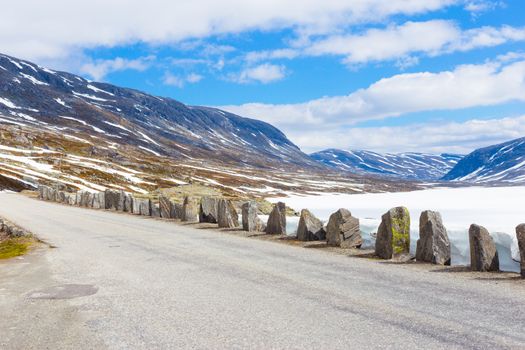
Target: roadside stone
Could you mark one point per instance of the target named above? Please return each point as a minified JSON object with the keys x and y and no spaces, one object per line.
{"x":483,"y":253}
{"x":343,"y":230}
{"x":144,"y":207}
{"x":99,"y":200}
{"x":190,"y":211}
{"x":277,"y":220}
{"x":393,"y":235}
{"x":155,"y":210}
{"x":310,"y":228}
{"x":227,"y":215}
{"x":250,"y":220}
{"x":208,"y":210}
{"x":176,"y":210}
{"x":165,"y":207}
{"x":433,"y":244}
{"x":128,"y":203}
{"x":520,"y":235}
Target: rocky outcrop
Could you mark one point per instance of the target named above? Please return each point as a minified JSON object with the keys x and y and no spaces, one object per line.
{"x":165,"y":207}
{"x":250,"y":220}
{"x":227,"y":215}
{"x":277,"y":220}
{"x":520,"y":235}
{"x":433,"y":244}
{"x":9,"y":229}
{"x":393,"y":235}
{"x":208,"y":210}
{"x":343,"y":230}
{"x":310,"y":228}
{"x":190,"y":212}
{"x":483,"y":253}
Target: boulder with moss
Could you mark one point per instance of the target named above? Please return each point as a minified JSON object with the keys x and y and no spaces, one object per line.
{"x":393,"y":235}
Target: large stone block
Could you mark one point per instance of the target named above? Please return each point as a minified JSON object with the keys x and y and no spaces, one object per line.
{"x":190,"y":210}
{"x":310,"y":228}
{"x":277,"y":220}
{"x":483,"y":253}
{"x":250,"y":219}
{"x":393,"y":235}
{"x":208,"y":210}
{"x":433,"y":244}
{"x":227,"y":215}
{"x":165,"y":207}
{"x":99,"y":200}
{"x":128,"y":203}
{"x":343,"y":230}
{"x":176,"y":210}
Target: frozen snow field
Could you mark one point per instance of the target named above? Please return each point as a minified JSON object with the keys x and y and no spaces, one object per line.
{"x":499,"y":209}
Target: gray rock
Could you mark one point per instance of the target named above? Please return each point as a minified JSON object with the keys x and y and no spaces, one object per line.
{"x":155,"y":210}
{"x":250,"y":220}
{"x":208,"y":210}
{"x":483,"y":253}
{"x":165,"y":207}
{"x":176,"y":210}
{"x":86,"y":199}
{"x":78,"y":198}
{"x":277,"y":220}
{"x":343,"y":230}
{"x":61,"y":197}
{"x":145,"y":207}
{"x":393,"y":235}
{"x":128,"y":203}
{"x":227,"y":215}
{"x":99,"y":200}
{"x":520,"y":235}
{"x":311,"y":228}
{"x":433,"y":244}
{"x":190,"y":210}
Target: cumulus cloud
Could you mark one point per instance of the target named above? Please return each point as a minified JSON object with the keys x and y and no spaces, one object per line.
{"x":98,"y":69}
{"x":264,"y":73}
{"x":53,"y":28}
{"x":180,"y":81}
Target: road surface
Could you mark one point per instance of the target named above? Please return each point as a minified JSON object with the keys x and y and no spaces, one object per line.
{"x":124,"y":282}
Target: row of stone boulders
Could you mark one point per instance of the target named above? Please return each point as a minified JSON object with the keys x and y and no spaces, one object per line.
{"x":222,"y":212}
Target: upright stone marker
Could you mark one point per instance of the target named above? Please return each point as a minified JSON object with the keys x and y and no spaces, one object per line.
{"x":208,"y":210}
{"x":227,"y":215}
{"x":343,"y":230}
{"x":176,"y":210}
{"x":520,"y":234}
{"x":483,"y":253}
{"x":433,"y":244}
{"x":189,"y":210}
{"x":165,"y":207}
{"x":277,"y":220}
{"x":310,"y":228}
{"x":250,"y":219}
{"x":393,"y":235}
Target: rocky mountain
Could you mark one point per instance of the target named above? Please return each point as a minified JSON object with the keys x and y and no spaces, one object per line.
{"x":57,"y":127}
{"x":410,"y":166}
{"x":503,"y":163}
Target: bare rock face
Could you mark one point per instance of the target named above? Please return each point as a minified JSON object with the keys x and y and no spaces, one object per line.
{"x":433,"y":244}
{"x":393,"y":235}
{"x":483,"y":253}
{"x":208,"y":210}
{"x":310,"y":228}
{"x":176,"y":210}
{"x":165,"y":207}
{"x":520,"y":234}
{"x":277,"y":220}
{"x":190,"y":211}
{"x":343,"y":230}
{"x":250,"y":220}
{"x":227,"y":215}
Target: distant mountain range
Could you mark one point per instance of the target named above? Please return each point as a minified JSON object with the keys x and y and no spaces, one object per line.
{"x":410,"y":166}
{"x":503,"y":163}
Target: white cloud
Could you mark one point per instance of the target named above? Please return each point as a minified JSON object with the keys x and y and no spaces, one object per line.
{"x":400,"y":41}
{"x":466,"y":86}
{"x":431,"y":137}
{"x":180,"y":81}
{"x":476,"y":7}
{"x":264,"y":73}
{"x":36,"y":29}
{"x":98,"y":69}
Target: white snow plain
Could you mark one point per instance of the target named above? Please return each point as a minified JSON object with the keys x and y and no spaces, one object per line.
{"x":499,"y":209}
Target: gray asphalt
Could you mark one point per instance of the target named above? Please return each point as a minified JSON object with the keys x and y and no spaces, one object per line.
{"x":123,"y":282}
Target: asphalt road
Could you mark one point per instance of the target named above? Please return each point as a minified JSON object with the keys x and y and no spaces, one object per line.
{"x":123,"y":282}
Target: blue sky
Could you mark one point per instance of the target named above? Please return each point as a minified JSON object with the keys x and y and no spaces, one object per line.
{"x":389,"y":76}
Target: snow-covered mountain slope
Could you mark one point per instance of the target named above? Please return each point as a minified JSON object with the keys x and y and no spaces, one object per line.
{"x":56,"y":127}
{"x":411,"y":166}
{"x":36,"y":96}
{"x":503,"y":163}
